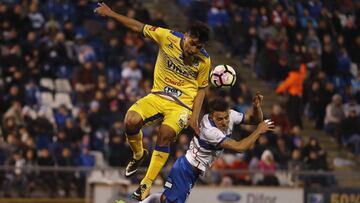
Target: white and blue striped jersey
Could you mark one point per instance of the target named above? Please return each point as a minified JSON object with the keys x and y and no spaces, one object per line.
{"x":204,"y":149}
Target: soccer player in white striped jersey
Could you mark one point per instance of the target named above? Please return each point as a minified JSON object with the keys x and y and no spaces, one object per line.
{"x":215,"y":130}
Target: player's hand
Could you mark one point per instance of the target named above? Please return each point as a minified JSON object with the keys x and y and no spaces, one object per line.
{"x":194,"y":124}
{"x":257,"y":100}
{"x":265,"y":126}
{"x":103,"y":10}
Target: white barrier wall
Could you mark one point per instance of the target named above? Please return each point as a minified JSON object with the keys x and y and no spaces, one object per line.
{"x":204,"y":194}
{"x":247,"y":195}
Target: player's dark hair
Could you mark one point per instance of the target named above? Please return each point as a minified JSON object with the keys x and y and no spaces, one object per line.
{"x":200,"y":31}
{"x":218,"y":104}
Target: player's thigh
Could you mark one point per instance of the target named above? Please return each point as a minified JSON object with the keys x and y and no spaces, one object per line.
{"x":176,"y":117}
{"x":148,"y":108}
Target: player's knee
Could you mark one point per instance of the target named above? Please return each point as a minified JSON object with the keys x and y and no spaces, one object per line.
{"x":133,"y":122}
{"x":166,"y":136}
{"x":163,"y":141}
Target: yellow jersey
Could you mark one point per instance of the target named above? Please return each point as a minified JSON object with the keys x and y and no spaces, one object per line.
{"x":172,"y":77}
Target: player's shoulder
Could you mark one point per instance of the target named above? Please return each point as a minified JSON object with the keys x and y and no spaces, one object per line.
{"x":211,"y":133}
{"x":204,"y":53}
{"x":208,"y":128}
{"x":235,"y":113}
{"x":177,"y":34}
{"x":204,"y":57}
{"x":236,"y":117}
{"x":159,"y":30}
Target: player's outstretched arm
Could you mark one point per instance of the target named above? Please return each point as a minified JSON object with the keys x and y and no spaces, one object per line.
{"x":244,"y":144}
{"x":105,"y":10}
{"x":198,"y":101}
{"x":257,"y":114}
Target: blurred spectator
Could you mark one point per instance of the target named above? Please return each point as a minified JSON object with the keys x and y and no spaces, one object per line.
{"x":31,"y":175}
{"x":267,"y":166}
{"x":295,"y":165}
{"x":15,"y":112}
{"x":261,"y":145}
{"x":16,"y":178}
{"x":314,"y":155}
{"x":130,"y":74}
{"x":328,"y":57}
{"x":159,"y":20}
{"x":351,"y":105}
{"x":85,"y":82}
{"x":282,"y":153}
{"x":243,"y":177}
{"x":119,"y":150}
{"x":317,"y":103}
{"x":62,"y":142}
{"x":36,"y":18}
{"x":334,"y":115}
{"x":84,"y":160}
{"x":218,"y":20}
{"x":48,"y":179}
{"x":350,"y":131}
{"x":61,"y":115}
{"x":218,"y":165}
{"x":73,"y":133}
{"x":279,"y":118}
{"x":293,"y":85}
{"x":66,"y":178}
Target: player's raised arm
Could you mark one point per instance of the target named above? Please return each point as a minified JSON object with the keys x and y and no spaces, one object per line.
{"x":193,"y":122}
{"x":244,"y":144}
{"x":257,"y":114}
{"x":105,"y":10}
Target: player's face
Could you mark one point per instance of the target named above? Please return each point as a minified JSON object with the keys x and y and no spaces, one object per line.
{"x":191,"y":45}
{"x":221,"y":119}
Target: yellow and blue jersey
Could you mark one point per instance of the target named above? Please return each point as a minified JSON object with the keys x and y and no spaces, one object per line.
{"x":172,"y":77}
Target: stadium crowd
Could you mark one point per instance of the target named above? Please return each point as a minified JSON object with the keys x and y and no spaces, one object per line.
{"x":307,"y":51}
{"x":67,"y":78}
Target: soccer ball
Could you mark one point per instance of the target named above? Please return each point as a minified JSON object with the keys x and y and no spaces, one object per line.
{"x":223,"y":76}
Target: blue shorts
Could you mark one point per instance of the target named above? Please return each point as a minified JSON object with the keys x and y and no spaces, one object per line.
{"x":180,"y":181}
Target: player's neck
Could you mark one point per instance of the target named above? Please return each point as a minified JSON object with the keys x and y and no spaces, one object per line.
{"x":187,"y":59}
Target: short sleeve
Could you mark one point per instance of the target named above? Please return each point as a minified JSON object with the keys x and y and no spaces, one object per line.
{"x":155,"y":33}
{"x":203,"y":76}
{"x":214,"y":136}
{"x":236,"y":117}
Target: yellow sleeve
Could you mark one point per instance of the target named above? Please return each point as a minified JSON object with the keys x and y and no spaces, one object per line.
{"x":158,"y":34}
{"x":203,"y":77}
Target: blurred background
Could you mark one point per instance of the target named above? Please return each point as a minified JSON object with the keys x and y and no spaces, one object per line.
{"x":68,"y":76}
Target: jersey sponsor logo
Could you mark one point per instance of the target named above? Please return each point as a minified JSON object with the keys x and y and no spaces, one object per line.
{"x":184,"y":71}
{"x":172,"y":91}
{"x":171,"y":39}
{"x":170,"y":45}
{"x":153,"y":28}
{"x":175,"y":82}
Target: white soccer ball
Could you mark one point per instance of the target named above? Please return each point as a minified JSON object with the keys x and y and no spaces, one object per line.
{"x":223,"y":76}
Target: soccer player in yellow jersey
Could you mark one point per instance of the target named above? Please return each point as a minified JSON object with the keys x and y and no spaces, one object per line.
{"x":180,"y":78}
